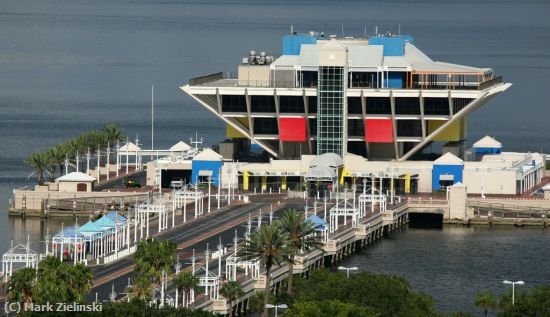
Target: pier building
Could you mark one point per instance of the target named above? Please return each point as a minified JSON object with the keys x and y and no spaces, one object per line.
{"x":379,"y":97}
{"x":504,"y":173}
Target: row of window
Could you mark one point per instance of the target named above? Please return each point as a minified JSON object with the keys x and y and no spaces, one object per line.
{"x":356,"y":128}
{"x":374,"y":105}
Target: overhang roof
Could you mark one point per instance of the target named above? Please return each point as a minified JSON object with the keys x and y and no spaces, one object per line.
{"x":76,"y":177}
{"x":488,"y":142}
{"x":208,"y":155}
{"x":180,"y":146}
{"x":448,"y":159}
{"x":327,"y":159}
{"x":129,"y":147}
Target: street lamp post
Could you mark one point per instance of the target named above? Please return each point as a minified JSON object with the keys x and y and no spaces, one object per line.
{"x":347,"y":269}
{"x":276,"y":307}
{"x":177,"y":267}
{"x":209,"y":192}
{"x":513,"y":288}
{"x":113,"y":294}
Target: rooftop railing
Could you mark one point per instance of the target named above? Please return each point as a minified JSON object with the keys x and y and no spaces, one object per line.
{"x":439,"y":85}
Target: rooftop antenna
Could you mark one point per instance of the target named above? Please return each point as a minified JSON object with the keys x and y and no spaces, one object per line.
{"x":291,"y":29}
{"x":343,"y":30}
{"x":152,"y":117}
{"x":376,"y":30}
{"x":196,"y":142}
{"x":399,"y":30}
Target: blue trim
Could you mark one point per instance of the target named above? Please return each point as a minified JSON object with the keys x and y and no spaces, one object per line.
{"x":487,"y":150}
{"x":438,"y":170}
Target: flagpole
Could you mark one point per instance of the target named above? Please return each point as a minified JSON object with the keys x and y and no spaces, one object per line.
{"x":152,"y":116}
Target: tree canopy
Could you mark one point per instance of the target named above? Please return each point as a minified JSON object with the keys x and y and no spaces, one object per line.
{"x":383,"y":295}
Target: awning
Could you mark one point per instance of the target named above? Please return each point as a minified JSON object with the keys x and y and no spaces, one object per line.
{"x":205,"y":173}
{"x":446,"y":177}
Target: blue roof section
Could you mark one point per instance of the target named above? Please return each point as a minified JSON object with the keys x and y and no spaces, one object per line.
{"x":69,"y":232}
{"x":320,"y":223}
{"x":105,"y":222}
{"x":90,"y":227}
{"x":115,"y":216}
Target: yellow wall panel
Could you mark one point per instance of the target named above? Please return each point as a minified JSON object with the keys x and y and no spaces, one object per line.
{"x":463,"y":127}
{"x":451,"y":133}
{"x":231,"y":132}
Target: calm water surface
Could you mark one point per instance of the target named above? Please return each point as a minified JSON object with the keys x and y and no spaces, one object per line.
{"x":70,"y":66}
{"x":454,"y":263}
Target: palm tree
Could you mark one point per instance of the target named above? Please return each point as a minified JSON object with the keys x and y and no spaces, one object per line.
{"x":111,"y":133}
{"x":153,"y":258}
{"x":79,"y":280}
{"x":255,"y":303}
{"x":186,"y":281}
{"x":52,"y":282}
{"x":71,"y":147}
{"x":486,"y":301}
{"x":268,"y":244}
{"x":41,"y":163}
{"x":301,"y":238}
{"x":142,"y":288}
{"x":57,"y":156}
{"x":21,"y":284}
{"x":232,"y":291}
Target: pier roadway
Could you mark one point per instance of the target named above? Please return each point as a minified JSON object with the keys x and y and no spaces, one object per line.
{"x":194,"y":235}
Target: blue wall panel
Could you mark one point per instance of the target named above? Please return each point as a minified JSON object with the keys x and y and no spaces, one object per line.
{"x":395,"y":80}
{"x":393,"y":46}
{"x":438,"y":170}
{"x":256,"y":148}
{"x":292,"y":43}
{"x":213,"y":166}
{"x":486,"y":150}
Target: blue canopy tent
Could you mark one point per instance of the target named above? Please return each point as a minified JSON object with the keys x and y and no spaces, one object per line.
{"x":320,"y":223}
{"x":93,"y":235}
{"x":69,"y":236}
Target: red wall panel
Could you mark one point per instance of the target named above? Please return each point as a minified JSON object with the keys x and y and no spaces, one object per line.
{"x":378,"y":130}
{"x":292,"y":129}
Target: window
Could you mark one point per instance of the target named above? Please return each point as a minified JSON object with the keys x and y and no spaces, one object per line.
{"x":233,"y":103}
{"x":308,"y":78}
{"x":363,"y":80}
{"x":436,"y":106}
{"x":410,"y":128}
{"x":378,"y":105}
{"x":356,"y":128}
{"x":460,"y":103}
{"x":265,"y":126}
{"x":354,"y":105}
{"x":262,"y":104}
{"x":291,"y":104}
{"x":312,"y":126}
{"x":407,"y":105}
{"x":330,"y":112}
{"x":312,"y":104}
